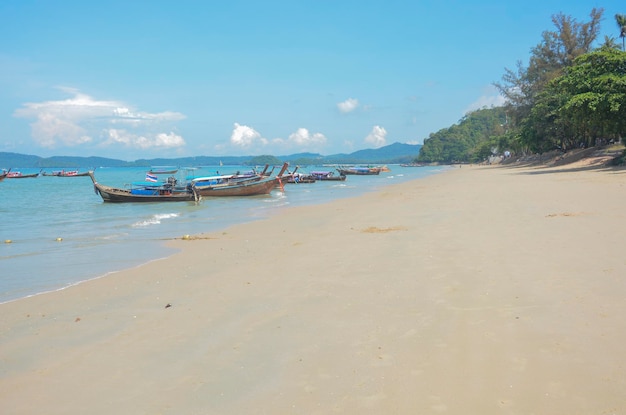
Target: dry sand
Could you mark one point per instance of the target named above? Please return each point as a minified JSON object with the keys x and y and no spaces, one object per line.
{"x":482,"y":290}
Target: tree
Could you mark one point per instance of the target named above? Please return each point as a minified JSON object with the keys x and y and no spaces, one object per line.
{"x":609,"y":43}
{"x":557,"y":50}
{"x":585,"y":104}
{"x":620,"y":19}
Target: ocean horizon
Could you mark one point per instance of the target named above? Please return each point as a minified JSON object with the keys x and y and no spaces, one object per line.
{"x":58,"y":232}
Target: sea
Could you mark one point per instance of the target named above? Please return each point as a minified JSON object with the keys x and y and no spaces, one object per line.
{"x":57,"y":232}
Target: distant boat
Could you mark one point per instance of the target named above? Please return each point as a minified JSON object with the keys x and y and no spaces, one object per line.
{"x":163,"y":170}
{"x":66,"y":173}
{"x":327,"y":175}
{"x":19,"y":175}
{"x":300,"y":178}
{"x":295,"y":177}
{"x":360,"y":171}
{"x":145,"y":192}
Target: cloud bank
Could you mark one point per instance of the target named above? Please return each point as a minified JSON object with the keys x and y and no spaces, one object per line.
{"x":81,"y":119}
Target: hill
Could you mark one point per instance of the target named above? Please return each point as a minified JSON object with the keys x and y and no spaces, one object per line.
{"x":391,"y":154}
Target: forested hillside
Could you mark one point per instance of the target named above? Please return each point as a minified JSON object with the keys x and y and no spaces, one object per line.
{"x":471,"y":140}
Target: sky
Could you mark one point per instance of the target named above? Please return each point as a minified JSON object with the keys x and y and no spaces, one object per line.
{"x":148,"y":79}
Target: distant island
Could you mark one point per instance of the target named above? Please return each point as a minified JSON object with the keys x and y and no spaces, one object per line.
{"x":397,"y":153}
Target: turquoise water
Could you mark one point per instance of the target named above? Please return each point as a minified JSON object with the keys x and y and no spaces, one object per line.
{"x":62,"y":233}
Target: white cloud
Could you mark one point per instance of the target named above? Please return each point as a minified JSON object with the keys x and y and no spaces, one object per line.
{"x":303,"y":137}
{"x":81,"y":119}
{"x":126,"y":115}
{"x":247,"y":138}
{"x":129,"y":139}
{"x":244,"y":136}
{"x":348,"y":105}
{"x":377,"y":136}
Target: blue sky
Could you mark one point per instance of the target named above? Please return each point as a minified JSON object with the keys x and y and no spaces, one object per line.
{"x":144,"y":79}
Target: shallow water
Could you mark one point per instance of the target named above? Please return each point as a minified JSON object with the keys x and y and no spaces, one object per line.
{"x":62,"y":233}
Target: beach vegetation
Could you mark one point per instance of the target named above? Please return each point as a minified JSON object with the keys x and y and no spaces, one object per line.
{"x":586,"y":106}
{"x":570,"y":95}
{"x":476,"y":136}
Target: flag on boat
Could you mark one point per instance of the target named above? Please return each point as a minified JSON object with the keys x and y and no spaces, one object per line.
{"x":151,"y":177}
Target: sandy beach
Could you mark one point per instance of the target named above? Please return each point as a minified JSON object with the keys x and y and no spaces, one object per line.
{"x":481,"y":290}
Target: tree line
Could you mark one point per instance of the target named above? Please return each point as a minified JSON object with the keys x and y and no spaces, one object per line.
{"x":569,"y":95}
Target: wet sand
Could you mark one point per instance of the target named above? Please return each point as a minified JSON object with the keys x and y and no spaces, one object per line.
{"x":481,"y":290}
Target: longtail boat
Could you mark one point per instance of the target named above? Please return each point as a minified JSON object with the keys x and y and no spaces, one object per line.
{"x":145,"y":192}
{"x":327,"y":175}
{"x":253,"y":175}
{"x":300,"y":178}
{"x":220,"y":186}
{"x":163,"y":170}
{"x":359,"y":171}
{"x":20,"y":175}
{"x":66,"y":173}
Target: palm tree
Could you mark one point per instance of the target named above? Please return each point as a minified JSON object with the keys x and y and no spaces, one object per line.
{"x":609,"y":43}
{"x":621,"y":22}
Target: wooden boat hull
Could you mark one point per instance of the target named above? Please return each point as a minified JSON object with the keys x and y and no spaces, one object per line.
{"x":163,"y":171}
{"x":82,"y":174}
{"x":360,"y":172}
{"x":66,"y":174}
{"x":245,"y":188}
{"x":22,"y":176}
{"x":340,"y":178}
{"x":117,"y":195}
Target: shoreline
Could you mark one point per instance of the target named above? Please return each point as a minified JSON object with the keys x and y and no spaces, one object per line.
{"x":481,"y":290}
{"x":35,"y":263}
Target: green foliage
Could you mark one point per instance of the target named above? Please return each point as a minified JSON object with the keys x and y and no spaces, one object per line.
{"x":471,"y":140}
{"x":569,"y":95}
{"x":532,"y":100}
{"x":586,"y":103}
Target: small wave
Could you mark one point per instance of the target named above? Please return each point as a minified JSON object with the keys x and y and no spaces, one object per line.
{"x":154,"y":220}
{"x":113,"y":236}
{"x":276,"y":197}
